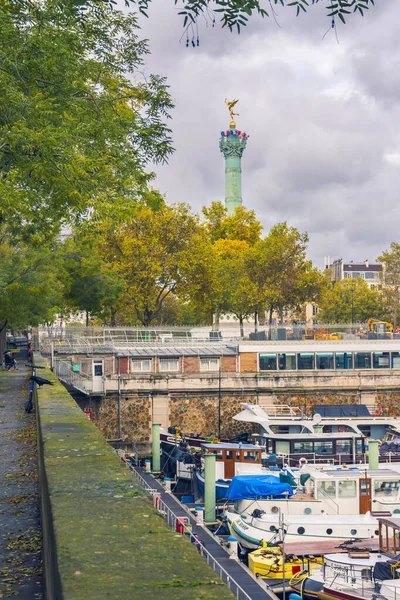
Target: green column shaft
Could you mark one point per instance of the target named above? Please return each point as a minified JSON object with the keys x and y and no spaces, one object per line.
{"x":209,"y":488}
{"x":155,"y":443}
{"x":233,"y":183}
{"x":373,"y":454}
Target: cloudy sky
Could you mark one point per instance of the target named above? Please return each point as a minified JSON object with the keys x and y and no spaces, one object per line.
{"x":323,"y":119}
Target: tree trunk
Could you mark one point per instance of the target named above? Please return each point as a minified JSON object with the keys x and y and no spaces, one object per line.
{"x":87,"y":318}
{"x":255,"y":322}
{"x":3,"y":339}
{"x":396,"y":308}
{"x":241,"y":326}
{"x":215,"y":326}
{"x":271,"y":309}
{"x":281,"y":315}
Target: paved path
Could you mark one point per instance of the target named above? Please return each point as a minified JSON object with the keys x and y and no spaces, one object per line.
{"x":20,"y":533}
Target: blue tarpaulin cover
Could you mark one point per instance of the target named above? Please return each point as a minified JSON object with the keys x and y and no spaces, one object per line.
{"x":257,"y":486}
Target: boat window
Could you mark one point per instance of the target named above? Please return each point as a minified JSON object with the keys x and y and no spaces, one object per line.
{"x":347,"y":489}
{"x":395,"y":360}
{"x":301,"y":531}
{"x":287,"y":362}
{"x":305,"y":361}
{"x":329,"y":531}
{"x":250,"y":456}
{"x":365,"y":430}
{"x":386,"y":488}
{"x":362,"y":360}
{"x":325,"y":360}
{"x":267,"y":362}
{"x":323,"y":447}
{"x":344,"y":360}
{"x":326,"y":488}
{"x":359,"y":446}
{"x":366,"y":574}
{"x":302,"y":447}
{"x":381,"y":360}
{"x":343,"y":446}
{"x":218,"y":454}
{"x":229,"y":455}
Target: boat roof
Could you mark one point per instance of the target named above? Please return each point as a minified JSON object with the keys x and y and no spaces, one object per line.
{"x":223,"y":446}
{"x":354,"y":472}
{"x":305,"y":436}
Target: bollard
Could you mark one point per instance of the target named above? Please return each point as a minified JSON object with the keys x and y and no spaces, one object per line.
{"x":194,"y":538}
{"x":233,"y":547}
{"x":157,"y":500}
{"x":180,"y":525}
{"x":200,"y":515}
{"x":373,"y":457}
{"x":167,"y":482}
{"x":147,"y":466}
{"x":209,"y":488}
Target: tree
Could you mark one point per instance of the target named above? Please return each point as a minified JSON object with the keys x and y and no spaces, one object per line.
{"x":90,"y":285}
{"x":391,"y":289}
{"x":236,"y":13}
{"x":29,"y":290}
{"x":242,"y":225}
{"x":285,"y":279}
{"x":158,"y":254}
{"x":349,"y":301}
{"x":75,"y":131}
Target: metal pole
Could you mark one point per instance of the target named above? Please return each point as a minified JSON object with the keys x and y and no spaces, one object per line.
{"x":219,"y":402}
{"x":119,"y":399}
{"x":282,"y":528}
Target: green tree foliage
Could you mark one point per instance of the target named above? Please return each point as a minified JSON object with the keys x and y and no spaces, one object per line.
{"x":242,"y":225}
{"x":29,"y":290}
{"x":158,"y":255}
{"x":279,"y":268}
{"x":349,"y":301}
{"x":74,"y":130}
{"x":90,"y":285}
{"x":391,"y":289}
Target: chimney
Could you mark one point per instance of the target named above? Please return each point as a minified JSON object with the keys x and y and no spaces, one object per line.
{"x":366,"y":263}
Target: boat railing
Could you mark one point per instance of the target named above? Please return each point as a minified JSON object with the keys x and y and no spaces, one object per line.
{"x":174,"y":521}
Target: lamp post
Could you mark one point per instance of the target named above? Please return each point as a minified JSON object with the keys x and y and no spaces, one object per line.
{"x":219,"y":401}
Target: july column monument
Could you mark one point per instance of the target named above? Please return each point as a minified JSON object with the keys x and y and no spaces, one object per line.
{"x":232,"y":144}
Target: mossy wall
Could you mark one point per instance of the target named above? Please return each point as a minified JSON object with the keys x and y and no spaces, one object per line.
{"x":105,"y":539}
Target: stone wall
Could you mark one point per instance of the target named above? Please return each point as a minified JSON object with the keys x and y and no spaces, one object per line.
{"x":135,"y":416}
{"x":198,"y":413}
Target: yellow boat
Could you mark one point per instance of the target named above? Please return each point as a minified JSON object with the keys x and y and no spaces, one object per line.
{"x":268,"y":562}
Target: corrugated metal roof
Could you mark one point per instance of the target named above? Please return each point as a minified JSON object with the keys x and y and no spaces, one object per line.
{"x":156,"y":350}
{"x":175,"y":352}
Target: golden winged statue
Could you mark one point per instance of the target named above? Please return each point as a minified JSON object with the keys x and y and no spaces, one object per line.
{"x":230,"y":104}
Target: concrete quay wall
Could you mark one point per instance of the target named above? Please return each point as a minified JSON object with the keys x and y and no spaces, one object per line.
{"x":102,"y":537}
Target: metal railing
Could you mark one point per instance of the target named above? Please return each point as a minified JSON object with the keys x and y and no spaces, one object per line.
{"x":173,"y":522}
{"x":63,"y":370}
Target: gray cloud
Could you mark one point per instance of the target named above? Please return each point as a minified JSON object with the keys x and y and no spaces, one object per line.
{"x":324,"y":147}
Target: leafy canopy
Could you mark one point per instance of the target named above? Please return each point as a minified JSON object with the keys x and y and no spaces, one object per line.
{"x":74,"y":129}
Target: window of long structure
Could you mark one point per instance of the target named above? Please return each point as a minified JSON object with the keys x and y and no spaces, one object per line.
{"x":287,"y":362}
{"x":325,"y":360}
{"x":169,"y":364}
{"x":381,"y":360}
{"x":209,"y":364}
{"x":267,"y":362}
{"x":323,"y":447}
{"x":343,"y":446}
{"x":344,"y":360}
{"x":395,"y":360}
{"x":362,"y":360}
{"x":140,"y":365}
{"x":305,"y":361}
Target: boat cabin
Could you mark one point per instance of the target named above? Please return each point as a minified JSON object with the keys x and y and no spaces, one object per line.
{"x":355,"y":491}
{"x":235,"y":459}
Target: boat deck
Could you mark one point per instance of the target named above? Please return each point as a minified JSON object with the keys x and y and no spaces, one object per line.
{"x":322,"y":547}
{"x":236,"y":570}
{"x":301,"y":497}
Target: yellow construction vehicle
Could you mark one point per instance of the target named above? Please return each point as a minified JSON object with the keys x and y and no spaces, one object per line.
{"x":377,"y":326}
{"x":324,"y":334}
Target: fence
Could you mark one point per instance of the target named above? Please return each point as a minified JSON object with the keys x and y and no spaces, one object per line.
{"x":181,"y":524}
